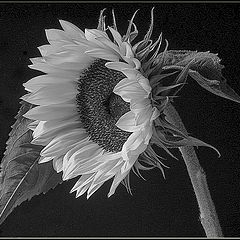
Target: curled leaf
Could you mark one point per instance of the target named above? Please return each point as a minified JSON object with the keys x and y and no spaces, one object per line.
{"x":205,"y":69}
{"x":220,"y":88}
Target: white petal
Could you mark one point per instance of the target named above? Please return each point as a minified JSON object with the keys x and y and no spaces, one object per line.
{"x":52,"y":112}
{"x":45,"y":159}
{"x":33,"y":125}
{"x":48,"y":49}
{"x":26,"y":96}
{"x":133,"y":141}
{"x":82,"y":190}
{"x":127,"y":122}
{"x":83,"y":180}
{"x":116,"y":35}
{"x":68,"y":155}
{"x":54,"y":35}
{"x":72,"y":171}
{"x":39,"y":128}
{"x":103,"y":54}
{"x":45,"y":138}
{"x":117,"y":179}
{"x":118,"y":66}
{"x":57,"y":164}
{"x":108,"y":44}
{"x":92,"y":34}
{"x":130,"y":89}
{"x":68,"y":56}
{"x":107,"y":157}
{"x":53,"y":94}
{"x":73,"y":31}
{"x":63,"y":142}
{"x":129,"y":164}
{"x":147,"y":133}
{"x":83,"y":161}
{"x":155,"y":113}
{"x":46,"y":68}
{"x":46,"y":128}
{"x":144,"y":82}
{"x":137,"y":105}
{"x":38,"y":82}
{"x":144,"y":116}
{"x":93,"y":188}
{"x":136,"y":143}
{"x":128,"y":50}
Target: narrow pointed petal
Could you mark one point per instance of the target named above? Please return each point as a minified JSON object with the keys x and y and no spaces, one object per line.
{"x":84,"y":179}
{"x":117,"y":179}
{"x":82,"y":190}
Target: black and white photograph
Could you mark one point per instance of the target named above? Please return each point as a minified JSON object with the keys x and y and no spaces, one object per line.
{"x":120,"y":119}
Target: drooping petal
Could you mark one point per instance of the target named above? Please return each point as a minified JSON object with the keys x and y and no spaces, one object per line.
{"x":62,"y":142}
{"x":83,"y":180}
{"x":116,"y":181}
{"x":81,"y":159}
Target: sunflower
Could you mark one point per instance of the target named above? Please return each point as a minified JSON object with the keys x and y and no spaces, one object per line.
{"x":99,"y":107}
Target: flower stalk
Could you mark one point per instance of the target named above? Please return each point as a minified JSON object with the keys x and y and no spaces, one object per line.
{"x":208,"y":215}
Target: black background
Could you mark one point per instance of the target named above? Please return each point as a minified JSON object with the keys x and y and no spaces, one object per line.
{"x":158,"y":207}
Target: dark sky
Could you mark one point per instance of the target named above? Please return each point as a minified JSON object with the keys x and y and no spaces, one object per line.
{"x":158,"y":207}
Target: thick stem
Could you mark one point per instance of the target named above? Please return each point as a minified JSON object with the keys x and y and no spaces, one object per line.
{"x":208,"y":215}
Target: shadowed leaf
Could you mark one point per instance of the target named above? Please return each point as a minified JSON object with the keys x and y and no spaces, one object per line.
{"x":21,"y":176}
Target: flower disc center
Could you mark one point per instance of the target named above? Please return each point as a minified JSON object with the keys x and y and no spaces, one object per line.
{"x":100,"y":108}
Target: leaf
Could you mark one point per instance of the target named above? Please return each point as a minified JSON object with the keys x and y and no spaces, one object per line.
{"x":220,"y":88}
{"x":205,"y":69}
{"x":21,"y":176}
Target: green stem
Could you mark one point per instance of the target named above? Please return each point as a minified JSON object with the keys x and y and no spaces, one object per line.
{"x":208,"y":215}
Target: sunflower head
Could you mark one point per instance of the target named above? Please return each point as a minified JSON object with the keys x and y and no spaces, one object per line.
{"x":100,"y":104}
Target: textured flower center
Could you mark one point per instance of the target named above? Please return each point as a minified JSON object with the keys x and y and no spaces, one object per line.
{"x":100,"y":108}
